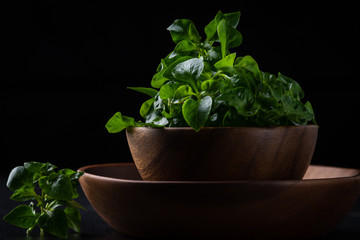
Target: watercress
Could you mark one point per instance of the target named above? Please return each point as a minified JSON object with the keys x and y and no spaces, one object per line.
{"x":201,"y":83}
{"x":55,"y":210}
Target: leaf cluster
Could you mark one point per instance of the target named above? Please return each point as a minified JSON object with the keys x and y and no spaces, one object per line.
{"x":201,"y":83}
{"x":51,"y":194}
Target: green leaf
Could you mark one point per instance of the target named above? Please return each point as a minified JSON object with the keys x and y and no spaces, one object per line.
{"x":238,"y":77}
{"x":168,"y":71}
{"x":76,"y":176}
{"x":33,"y":166}
{"x":291,"y":86}
{"x":228,"y":36}
{"x":19,"y":177}
{"x":211,"y":86}
{"x":67,"y":172}
{"x":184,"y":29}
{"x":228,"y":61}
{"x":185,"y":46}
{"x":214,"y":54}
{"x":54,"y":222}
{"x":242,"y":99}
{"x":189,"y":70}
{"x":196,"y":112}
{"x":233,"y":18}
{"x":146,"y":106}
{"x":74,"y":218}
{"x":155,"y":117}
{"x":233,"y":119}
{"x":58,"y":186}
{"x":175,"y":115}
{"x":294,"y":110}
{"x":309,"y":107}
{"x":148,"y":91}
{"x":158,"y":79}
{"x":249,"y":64}
{"x":158,"y":103}
{"x":267,"y":102}
{"x":24,"y":193}
{"x":164,"y":69}
{"x":168,"y":90}
{"x":119,"y":122}
{"x":22,"y":216}
{"x":38,"y":167}
{"x":75,"y":204}
{"x":181,"y":93}
{"x":58,"y":203}
{"x":211,"y":28}
{"x":268,"y":78}
{"x":48,"y":168}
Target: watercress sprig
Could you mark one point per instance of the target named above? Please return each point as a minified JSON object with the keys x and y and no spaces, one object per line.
{"x":51,"y":194}
{"x":201,"y":83}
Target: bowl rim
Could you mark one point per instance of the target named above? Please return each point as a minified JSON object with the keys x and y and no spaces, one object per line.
{"x":234,"y":182}
{"x":240,"y":127}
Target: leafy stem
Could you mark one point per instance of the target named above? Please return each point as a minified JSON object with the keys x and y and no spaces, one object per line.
{"x":56,"y":210}
{"x":193,"y":86}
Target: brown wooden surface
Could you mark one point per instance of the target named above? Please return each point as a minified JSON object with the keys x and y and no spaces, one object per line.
{"x":291,"y":209}
{"x":222,"y":153}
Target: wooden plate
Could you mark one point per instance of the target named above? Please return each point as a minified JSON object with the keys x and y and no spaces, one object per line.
{"x":279,"y":209}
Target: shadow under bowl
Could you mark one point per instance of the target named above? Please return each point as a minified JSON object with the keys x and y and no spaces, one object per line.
{"x":278,"y":209}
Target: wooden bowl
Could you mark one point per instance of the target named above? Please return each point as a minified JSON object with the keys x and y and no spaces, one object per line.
{"x":279,"y":209}
{"x":231,"y":153}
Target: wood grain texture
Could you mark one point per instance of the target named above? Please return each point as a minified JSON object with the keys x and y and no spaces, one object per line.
{"x":239,"y":153}
{"x":277,"y":209}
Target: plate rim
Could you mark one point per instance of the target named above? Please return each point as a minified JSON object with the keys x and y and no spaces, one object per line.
{"x":187,"y":182}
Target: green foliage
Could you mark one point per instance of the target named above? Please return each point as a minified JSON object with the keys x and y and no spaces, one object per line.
{"x":196,"y":112}
{"x":201,"y":83}
{"x":58,"y":191}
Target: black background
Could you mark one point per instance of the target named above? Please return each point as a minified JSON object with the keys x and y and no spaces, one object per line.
{"x":65,"y":66}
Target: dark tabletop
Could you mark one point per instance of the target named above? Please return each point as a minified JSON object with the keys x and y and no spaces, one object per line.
{"x":93,"y":227}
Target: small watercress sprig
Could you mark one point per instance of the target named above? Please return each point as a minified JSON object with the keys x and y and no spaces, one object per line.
{"x":51,"y":194}
{"x":201,"y":83}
